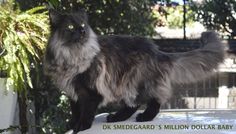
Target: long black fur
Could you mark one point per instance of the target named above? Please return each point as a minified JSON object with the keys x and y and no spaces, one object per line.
{"x":95,"y":70}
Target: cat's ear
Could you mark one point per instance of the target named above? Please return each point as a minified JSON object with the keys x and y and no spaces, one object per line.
{"x":81,"y":13}
{"x":54,"y":16}
{"x":84,"y":14}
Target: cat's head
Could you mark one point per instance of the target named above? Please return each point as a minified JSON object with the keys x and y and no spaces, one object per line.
{"x":69,"y":28}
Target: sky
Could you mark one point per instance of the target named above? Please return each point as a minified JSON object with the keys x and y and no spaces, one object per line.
{"x":179,"y":1}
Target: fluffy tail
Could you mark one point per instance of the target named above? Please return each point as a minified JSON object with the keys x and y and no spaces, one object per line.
{"x":200,"y":63}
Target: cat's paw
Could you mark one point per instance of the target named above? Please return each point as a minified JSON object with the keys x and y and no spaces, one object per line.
{"x":81,"y":126}
{"x":111,"y":118}
{"x":143,"y":117}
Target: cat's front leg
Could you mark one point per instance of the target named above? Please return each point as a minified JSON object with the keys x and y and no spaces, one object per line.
{"x":75,"y":110}
{"x":88,"y":102}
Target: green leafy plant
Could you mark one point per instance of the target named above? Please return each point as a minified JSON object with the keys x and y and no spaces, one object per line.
{"x":133,"y":17}
{"x":217,"y":14}
{"x":172,"y":16}
{"x":23,"y":36}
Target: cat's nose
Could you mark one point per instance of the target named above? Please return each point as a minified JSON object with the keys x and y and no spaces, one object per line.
{"x":80,"y":32}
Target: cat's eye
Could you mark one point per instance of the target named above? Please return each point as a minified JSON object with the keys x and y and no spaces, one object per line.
{"x":83,"y":25}
{"x":82,"y":28}
{"x":70,"y":27}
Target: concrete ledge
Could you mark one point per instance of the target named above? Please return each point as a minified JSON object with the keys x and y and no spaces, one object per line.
{"x":171,"y":122}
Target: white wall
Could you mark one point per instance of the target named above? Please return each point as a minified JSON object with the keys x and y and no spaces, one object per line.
{"x":202,"y":102}
{"x":7,"y":106}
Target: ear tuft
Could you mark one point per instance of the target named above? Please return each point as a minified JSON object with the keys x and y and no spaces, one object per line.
{"x":81,"y":13}
{"x":54,"y":16}
{"x":85,"y":16}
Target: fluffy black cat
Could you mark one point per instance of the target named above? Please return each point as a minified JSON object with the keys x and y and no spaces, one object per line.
{"x":95,"y":70}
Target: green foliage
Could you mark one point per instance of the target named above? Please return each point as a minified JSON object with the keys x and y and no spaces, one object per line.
{"x":172,"y":16}
{"x":29,"y":4}
{"x":23,"y":36}
{"x":217,"y":14}
{"x":56,"y":114}
{"x":133,"y":17}
{"x":175,"y":17}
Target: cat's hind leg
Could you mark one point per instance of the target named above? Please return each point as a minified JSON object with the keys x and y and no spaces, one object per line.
{"x":153,"y":108}
{"x":123,"y":114}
